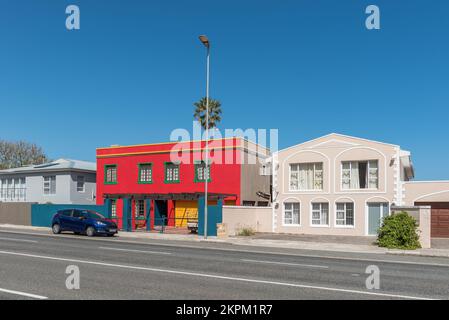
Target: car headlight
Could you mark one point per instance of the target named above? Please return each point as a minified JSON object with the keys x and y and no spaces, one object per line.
{"x":101,"y":224}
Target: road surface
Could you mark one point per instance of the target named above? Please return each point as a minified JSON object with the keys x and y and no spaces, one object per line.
{"x":33,"y":266}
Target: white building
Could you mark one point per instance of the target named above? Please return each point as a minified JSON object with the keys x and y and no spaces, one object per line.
{"x":61,"y":182}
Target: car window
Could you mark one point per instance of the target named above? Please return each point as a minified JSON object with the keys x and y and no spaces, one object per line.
{"x":77,"y":214}
{"x":91,"y":214}
{"x":66,"y":213}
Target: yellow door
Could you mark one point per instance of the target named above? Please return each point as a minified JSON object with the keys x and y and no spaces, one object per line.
{"x":185,"y":210}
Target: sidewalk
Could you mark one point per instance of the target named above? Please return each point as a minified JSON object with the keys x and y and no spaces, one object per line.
{"x":308,"y":242}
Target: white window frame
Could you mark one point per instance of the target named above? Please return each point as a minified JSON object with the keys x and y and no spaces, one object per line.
{"x":84,"y":184}
{"x":367,"y":174}
{"x":139,"y":205}
{"x":314,"y":174}
{"x":345,"y":213}
{"x":321,"y":213}
{"x":299,"y":214}
{"x":113,"y":208}
{"x":50,"y":193}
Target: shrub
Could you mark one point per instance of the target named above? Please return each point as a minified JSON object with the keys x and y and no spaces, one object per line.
{"x":246,"y":232}
{"x":399,"y":231}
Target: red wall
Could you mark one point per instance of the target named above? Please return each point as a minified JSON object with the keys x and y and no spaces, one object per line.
{"x":225,"y":178}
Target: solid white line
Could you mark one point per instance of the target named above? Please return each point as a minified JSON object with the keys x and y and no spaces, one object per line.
{"x":19,"y":240}
{"x":156,"y":242}
{"x":286,"y":263}
{"x":19,"y":293}
{"x":133,"y":250}
{"x":212,"y":276}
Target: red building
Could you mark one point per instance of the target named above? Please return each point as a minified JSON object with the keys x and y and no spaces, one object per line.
{"x":163,"y":181}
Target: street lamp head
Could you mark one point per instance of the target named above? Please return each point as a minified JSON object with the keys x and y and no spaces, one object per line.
{"x":203,"y":38}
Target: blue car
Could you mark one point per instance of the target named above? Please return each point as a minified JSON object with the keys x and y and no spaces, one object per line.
{"x":82,"y":221}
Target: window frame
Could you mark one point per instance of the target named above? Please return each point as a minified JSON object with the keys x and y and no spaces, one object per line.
{"x":49,"y":186}
{"x":84,"y":184}
{"x":314,"y":172}
{"x":284,"y":211}
{"x":113,"y":208}
{"x":106,"y":167}
{"x":321,"y":212}
{"x":195,"y":167}
{"x":137,"y":206}
{"x":139,"y":167}
{"x":367,"y":175}
{"x":166,"y":164}
{"x":345,"y":217}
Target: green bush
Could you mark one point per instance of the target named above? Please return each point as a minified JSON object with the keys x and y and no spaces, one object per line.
{"x":399,"y":231}
{"x":246,"y":232}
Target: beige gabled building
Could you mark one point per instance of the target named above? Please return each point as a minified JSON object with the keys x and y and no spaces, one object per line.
{"x":342,"y":185}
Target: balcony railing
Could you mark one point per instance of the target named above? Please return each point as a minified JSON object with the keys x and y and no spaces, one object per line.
{"x":13,"y":194}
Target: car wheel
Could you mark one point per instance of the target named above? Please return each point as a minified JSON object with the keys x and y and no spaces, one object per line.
{"x":90,"y":231}
{"x":56,"y":228}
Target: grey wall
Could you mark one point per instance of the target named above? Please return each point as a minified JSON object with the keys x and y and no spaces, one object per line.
{"x":89,"y":188}
{"x":66,"y":191}
{"x":252,"y":181}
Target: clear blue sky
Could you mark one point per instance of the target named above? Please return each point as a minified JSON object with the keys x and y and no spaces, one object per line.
{"x":132,"y":72}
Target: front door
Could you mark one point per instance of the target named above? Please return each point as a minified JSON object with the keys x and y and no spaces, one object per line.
{"x":376,"y":211}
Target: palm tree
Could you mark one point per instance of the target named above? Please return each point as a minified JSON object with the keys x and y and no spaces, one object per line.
{"x":214,"y":112}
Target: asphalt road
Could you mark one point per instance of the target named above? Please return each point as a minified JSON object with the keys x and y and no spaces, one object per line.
{"x":33,"y":266}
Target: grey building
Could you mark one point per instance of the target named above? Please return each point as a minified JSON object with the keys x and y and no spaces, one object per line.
{"x":62,"y":181}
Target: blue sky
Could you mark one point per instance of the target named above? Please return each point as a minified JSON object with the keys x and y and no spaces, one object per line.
{"x":132,"y":72}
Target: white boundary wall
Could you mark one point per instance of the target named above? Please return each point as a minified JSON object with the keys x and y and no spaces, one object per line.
{"x":236,"y":218}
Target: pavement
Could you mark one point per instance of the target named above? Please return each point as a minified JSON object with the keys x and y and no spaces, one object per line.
{"x":33,"y":265}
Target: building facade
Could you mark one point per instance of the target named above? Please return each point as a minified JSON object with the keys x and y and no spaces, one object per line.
{"x":339,"y":185}
{"x":61,"y":182}
{"x":168,"y":178}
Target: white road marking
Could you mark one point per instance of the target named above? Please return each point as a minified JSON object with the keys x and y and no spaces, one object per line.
{"x":213,"y":276}
{"x":133,"y":250}
{"x":19,"y":240}
{"x":286,"y":263}
{"x":19,"y":293}
{"x":155,"y":242}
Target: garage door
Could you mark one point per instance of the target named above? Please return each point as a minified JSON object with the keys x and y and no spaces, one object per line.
{"x":185,"y":210}
{"x":439,"y":219}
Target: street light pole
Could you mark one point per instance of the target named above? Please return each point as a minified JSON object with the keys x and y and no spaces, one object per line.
{"x":206,"y":43}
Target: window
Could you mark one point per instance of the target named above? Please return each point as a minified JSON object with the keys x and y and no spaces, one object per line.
{"x":171,"y":172}
{"x":113,"y":208}
{"x":50,"y":185}
{"x":291,"y":213}
{"x":320,"y":214}
{"x":360,"y":174}
{"x":80,"y":183}
{"x":145,"y":173}
{"x":110,"y":174}
{"x":140,"y":209}
{"x":345,"y":214}
{"x":306,"y":176}
{"x":201,"y":172}
{"x":247,"y":203}
{"x":13,"y":189}
{"x":66,"y":213}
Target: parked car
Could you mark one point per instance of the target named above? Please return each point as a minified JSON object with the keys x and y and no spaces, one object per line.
{"x":82,"y":221}
{"x":192,"y":225}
